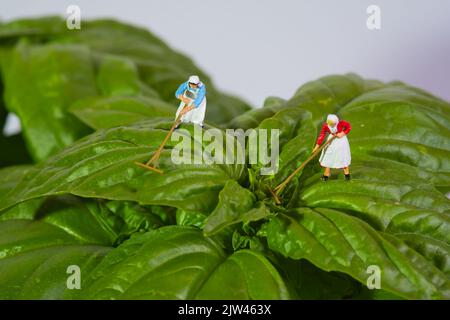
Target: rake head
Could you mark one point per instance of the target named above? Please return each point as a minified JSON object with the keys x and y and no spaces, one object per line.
{"x":145,"y":166}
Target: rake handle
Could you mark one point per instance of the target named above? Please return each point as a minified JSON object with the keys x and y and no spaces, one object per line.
{"x":282,"y":185}
{"x":158,"y":152}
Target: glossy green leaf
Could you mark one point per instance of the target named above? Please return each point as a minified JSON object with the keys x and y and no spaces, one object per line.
{"x":136,"y":218}
{"x":118,"y":77}
{"x":9,"y":178}
{"x":87,"y":196}
{"x":191,"y":218}
{"x":35,"y":28}
{"x":236,"y":204}
{"x":297,"y":139}
{"x":35,"y":257}
{"x":102,"y":165}
{"x":179,"y":263}
{"x":40,"y":92}
{"x":330,"y":93}
{"x":154,"y":265}
{"x":401,"y":124}
{"x":335,"y":241}
{"x":380,"y":189}
{"x":325,"y":95}
{"x":90,"y":221}
{"x":108,"y":112}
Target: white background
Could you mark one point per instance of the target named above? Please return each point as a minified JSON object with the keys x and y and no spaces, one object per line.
{"x":257,"y":48}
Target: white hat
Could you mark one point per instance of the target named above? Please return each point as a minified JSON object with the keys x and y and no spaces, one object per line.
{"x":332,"y":118}
{"x":194,"y":79}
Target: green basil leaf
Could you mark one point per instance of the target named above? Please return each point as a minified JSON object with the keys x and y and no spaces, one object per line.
{"x":136,"y":218}
{"x":108,"y":112}
{"x":119,"y":76}
{"x":89,"y":221}
{"x":10,"y":177}
{"x":35,"y":257}
{"x":401,"y":124}
{"x":236,"y":204}
{"x":190,"y":218}
{"x":102,"y":165}
{"x":296,"y":141}
{"x":379,"y":190}
{"x":38,"y":29}
{"x":179,"y":263}
{"x":330,"y":93}
{"x":335,"y":241}
{"x":325,"y":95}
{"x":40,"y":93}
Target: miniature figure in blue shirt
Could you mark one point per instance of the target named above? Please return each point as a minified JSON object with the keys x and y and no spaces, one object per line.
{"x":192,"y":94}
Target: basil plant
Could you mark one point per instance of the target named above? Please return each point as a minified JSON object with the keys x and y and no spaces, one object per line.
{"x":80,"y":220}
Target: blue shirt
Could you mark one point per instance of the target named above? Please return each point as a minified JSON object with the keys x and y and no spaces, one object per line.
{"x":200,"y":93}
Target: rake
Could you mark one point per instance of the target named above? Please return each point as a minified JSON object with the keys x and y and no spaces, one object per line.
{"x":278,"y":189}
{"x":157,"y":154}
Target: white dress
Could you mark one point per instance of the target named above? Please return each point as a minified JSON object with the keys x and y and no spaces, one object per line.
{"x":337,"y":154}
{"x":196,"y":115}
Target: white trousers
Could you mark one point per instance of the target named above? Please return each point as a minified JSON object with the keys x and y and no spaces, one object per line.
{"x":337,"y":154}
{"x":196,"y":115}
